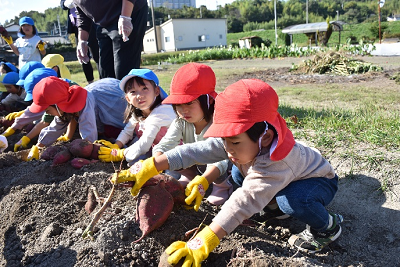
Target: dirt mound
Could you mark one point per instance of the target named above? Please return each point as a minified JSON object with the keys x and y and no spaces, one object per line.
{"x":42,"y":215}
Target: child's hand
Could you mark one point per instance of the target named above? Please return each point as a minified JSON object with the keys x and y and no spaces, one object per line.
{"x":110,"y":154}
{"x":106,"y":143}
{"x":8,"y":39}
{"x":23,"y":142}
{"x":40,"y":46}
{"x":14,"y":115}
{"x":195,"y":250}
{"x":33,"y":154}
{"x":63,"y":138}
{"x":196,"y":190}
{"x":8,"y":132}
{"x":140,"y":173}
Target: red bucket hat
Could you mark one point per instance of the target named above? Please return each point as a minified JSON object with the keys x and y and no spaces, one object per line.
{"x":54,"y":91}
{"x":191,"y":81}
{"x":244,"y":103}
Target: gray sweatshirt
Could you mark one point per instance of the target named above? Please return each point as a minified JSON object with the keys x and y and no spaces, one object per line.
{"x":263,"y":177}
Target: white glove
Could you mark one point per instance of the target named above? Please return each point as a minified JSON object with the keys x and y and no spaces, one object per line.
{"x":69,"y":4}
{"x":82,"y":52}
{"x":3,"y":143}
{"x":125,"y":27}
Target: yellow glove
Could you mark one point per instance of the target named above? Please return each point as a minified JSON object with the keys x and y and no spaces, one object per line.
{"x":40,"y":46}
{"x":106,"y":143}
{"x":8,"y":132}
{"x":8,"y":39}
{"x":63,"y":138}
{"x":195,"y":191}
{"x":14,"y":115}
{"x":195,"y":250}
{"x":24,"y":141}
{"x":33,"y":154}
{"x":110,"y":154}
{"x":139,"y":172}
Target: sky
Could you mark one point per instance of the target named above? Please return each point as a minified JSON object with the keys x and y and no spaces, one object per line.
{"x":11,"y":8}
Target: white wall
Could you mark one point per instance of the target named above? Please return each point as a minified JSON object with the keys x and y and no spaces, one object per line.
{"x":167,"y":36}
{"x":188,"y":31}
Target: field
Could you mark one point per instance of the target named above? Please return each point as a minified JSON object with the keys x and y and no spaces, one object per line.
{"x":353,"y":120}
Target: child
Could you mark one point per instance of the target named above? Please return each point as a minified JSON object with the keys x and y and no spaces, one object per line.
{"x":24,"y":117}
{"x":146,"y":118}
{"x":100,"y":103}
{"x":29,"y":46}
{"x":14,"y":101}
{"x":5,"y":67}
{"x":256,"y":139}
{"x":56,"y":62}
{"x":192,"y":96}
{"x":29,"y":83}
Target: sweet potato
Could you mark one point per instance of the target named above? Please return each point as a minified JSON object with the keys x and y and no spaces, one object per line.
{"x":91,"y":202}
{"x":153,"y":207}
{"x":4,"y":32}
{"x":81,"y":148}
{"x":78,"y":163}
{"x":62,"y":157}
{"x":171,"y":185}
{"x":6,"y":123}
{"x":95,"y":151}
{"x":50,"y":152}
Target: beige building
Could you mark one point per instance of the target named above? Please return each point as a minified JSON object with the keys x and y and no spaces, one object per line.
{"x":186,"y":34}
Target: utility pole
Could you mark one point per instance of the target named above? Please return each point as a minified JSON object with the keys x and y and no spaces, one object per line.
{"x":306,"y":11}
{"x":276,"y":32}
{"x":380,"y":4}
{"x":59,"y":27}
{"x":154,"y":24}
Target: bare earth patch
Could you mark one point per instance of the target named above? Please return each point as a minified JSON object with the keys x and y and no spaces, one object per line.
{"x":42,"y":213}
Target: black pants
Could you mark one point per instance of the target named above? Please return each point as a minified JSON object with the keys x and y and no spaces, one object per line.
{"x":117,"y":57}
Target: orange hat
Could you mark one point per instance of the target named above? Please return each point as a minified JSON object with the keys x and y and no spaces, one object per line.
{"x":191,"y":81}
{"x":54,"y":91}
{"x":244,"y":103}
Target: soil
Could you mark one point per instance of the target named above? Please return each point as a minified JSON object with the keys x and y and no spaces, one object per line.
{"x":42,"y":214}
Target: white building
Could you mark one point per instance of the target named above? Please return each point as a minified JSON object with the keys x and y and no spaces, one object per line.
{"x":186,"y":34}
{"x":394,"y":18}
{"x":172,"y":4}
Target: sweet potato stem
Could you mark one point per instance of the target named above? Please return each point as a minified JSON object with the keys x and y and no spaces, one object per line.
{"x":88,"y":233}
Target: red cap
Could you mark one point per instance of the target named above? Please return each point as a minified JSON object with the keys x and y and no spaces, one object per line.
{"x":191,"y":81}
{"x":244,"y":103}
{"x":54,"y":91}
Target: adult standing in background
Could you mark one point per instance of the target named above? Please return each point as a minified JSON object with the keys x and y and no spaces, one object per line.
{"x":121,"y":25}
{"x":93,"y":51}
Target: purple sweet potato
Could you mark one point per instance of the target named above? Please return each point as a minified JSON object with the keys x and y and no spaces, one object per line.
{"x":95,"y":151}
{"x":78,"y":163}
{"x":91,"y":202}
{"x":50,"y":152}
{"x":81,"y":148}
{"x":6,"y":123}
{"x":171,"y":185}
{"x":62,"y":157}
{"x":153,"y":207}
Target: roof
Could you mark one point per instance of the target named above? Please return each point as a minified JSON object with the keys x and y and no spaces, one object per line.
{"x":313,"y":27}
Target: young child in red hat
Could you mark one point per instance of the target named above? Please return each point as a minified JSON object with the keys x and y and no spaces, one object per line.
{"x":192,"y":96}
{"x":147,"y":119}
{"x":99,"y":104}
{"x":253,"y":135}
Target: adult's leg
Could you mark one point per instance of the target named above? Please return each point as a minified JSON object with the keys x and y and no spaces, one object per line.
{"x":106,"y":58}
{"x":127,"y":55}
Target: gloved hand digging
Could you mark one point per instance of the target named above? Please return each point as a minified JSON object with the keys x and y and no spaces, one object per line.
{"x":140,"y":172}
{"x":106,"y":143}
{"x":195,"y":250}
{"x":196,"y":190}
{"x":63,"y":138}
{"x":14,"y":115}
{"x":33,"y":154}
{"x":24,"y":141}
{"x":8,"y":132}
{"x":111,"y":154}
